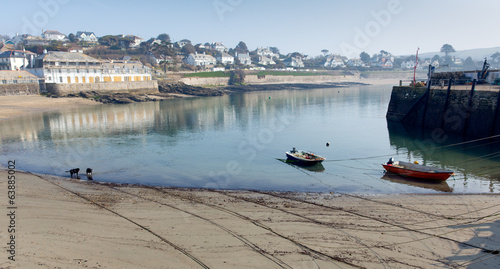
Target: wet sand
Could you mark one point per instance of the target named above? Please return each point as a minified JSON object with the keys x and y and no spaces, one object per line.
{"x":18,"y":105}
{"x":70,"y":223}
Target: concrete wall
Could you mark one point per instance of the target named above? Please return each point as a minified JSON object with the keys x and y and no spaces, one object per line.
{"x":455,"y":112}
{"x":128,"y":86}
{"x":19,"y":89}
{"x":254,"y":79}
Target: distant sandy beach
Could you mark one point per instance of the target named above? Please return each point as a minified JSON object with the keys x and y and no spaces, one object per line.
{"x":17,"y":105}
{"x":69,"y":223}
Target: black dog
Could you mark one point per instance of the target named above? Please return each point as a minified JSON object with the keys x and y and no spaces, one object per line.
{"x":74,"y":172}
{"x":89,"y":174}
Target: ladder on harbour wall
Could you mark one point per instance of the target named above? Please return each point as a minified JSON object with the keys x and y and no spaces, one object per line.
{"x":471,"y":118}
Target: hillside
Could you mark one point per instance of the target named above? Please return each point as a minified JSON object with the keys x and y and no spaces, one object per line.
{"x":475,"y":54}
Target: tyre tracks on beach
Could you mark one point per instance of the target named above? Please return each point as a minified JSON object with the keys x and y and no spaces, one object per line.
{"x":144,"y":225}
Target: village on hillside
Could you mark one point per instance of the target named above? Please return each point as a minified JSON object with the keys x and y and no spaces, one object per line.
{"x":83,"y":57}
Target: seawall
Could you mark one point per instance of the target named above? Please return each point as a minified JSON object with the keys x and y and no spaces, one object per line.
{"x":19,"y":89}
{"x":150,"y":86}
{"x":456,"y":109}
{"x":268,"y":79}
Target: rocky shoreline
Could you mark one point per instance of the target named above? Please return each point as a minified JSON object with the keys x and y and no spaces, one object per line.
{"x":174,"y":90}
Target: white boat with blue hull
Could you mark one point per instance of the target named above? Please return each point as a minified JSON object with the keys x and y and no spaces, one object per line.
{"x":303,"y":157}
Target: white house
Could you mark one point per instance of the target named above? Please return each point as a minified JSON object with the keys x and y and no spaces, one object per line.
{"x":200,"y":59}
{"x":225,"y":58}
{"x":218,"y":46}
{"x":355,"y":62}
{"x":121,"y":71}
{"x":136,"y":41}
{"x":264,"y":60}
{"x":182,"y":43}
{"x":387,"y":63}
{"x":408,"y":64}
{"x":14,"y":60}
{"x":294,"y":62}
{"x":244,"y":58}
{"x":335,"y":61}
{"x":266,"y":52}
{"x":54,"y":35}
{"x":86,"y":36}
{"x":73,"y":67}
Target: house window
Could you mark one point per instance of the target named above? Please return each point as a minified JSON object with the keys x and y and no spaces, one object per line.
{"x":4,"y":81}
{"x":60,"y":79}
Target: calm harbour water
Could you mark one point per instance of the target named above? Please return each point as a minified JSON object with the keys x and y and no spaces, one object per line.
{"x":239,"y":142}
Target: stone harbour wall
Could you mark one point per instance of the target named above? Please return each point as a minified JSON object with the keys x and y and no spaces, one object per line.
{"x":471,"y":113}
{"x":254,"y":79}
{"x":19,"y":89}
{"x":150,"y":86}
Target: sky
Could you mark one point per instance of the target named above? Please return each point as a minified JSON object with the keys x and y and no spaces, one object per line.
{"x":339,"y":26}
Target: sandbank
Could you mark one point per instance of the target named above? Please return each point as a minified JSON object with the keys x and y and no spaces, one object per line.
{"x":18,"y":105}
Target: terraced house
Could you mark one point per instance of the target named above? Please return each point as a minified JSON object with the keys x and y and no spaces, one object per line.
{"x":74,"y":67}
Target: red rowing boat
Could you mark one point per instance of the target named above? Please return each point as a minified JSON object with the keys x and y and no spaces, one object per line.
{"x":417,"y":170}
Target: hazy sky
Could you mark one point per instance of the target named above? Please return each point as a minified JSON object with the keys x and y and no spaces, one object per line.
{"x":344,"y":27}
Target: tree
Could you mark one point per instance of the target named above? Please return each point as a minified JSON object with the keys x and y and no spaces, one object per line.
{"x":241,"y":48}
{"x":469,"y":63}
{"x":274,"y":50}
{"x":365,"y":57}
{"x":108,"y":40}
{"x":188,"y":49}
{"x":447,"y":49}
{"x":163,"y":37}
{"x":237,"y":77}
{"x":435,"y":58}
{"x":297,"y":55}
{"x":325,"y":51}
{"x":72,"y":38}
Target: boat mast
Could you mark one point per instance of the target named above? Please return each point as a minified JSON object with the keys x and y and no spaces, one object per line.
{"x":415,"y":69}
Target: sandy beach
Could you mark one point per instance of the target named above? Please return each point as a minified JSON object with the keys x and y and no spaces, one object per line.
{"x":17,"y":105}
{"x":55,"y":222}
{"x":70,"y":223}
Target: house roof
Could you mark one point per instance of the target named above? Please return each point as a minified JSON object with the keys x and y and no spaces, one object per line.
{"x":13,"y":54}
{"x":223,"y":54}
{"x":202,"y":56}
{"x":67,"y":57}
{"x":80,"y":33}
{"x":52,"y":32}
{"x":10,"y":75}
{"x":243,"y":55}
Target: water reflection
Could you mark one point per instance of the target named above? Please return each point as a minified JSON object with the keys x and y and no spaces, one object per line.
{"x":469,"y":160}
{"x":233,"y":142}
{"x":318,"y":167}
{"x":437,"y":185}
